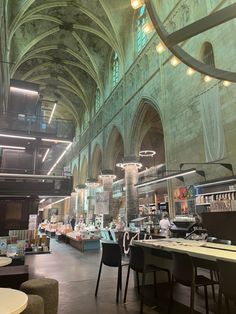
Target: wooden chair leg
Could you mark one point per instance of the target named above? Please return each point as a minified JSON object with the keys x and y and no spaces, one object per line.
{"x":126,"y":285}
{"x":98,"y":279}
{"x":120,"y":272}
{"x":206,"y":299}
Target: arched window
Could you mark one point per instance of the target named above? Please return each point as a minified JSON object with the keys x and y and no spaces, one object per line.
{"x":97,"y":100}
{"x":208,"y":54}
{"x":141,"y":36}
{"x":86,"y":120}
{"x":115,"y":70}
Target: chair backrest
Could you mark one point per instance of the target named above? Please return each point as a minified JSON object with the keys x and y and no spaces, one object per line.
{"x":221,"y":241}
{"x":183,"y":269}
{"x":227,"y":271}
{"x":136,"y":261}
{"x":111,"y":254}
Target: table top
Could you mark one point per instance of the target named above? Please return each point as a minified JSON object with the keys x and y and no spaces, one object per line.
{"x":12,"y":301}
{"x":199,"y":249}
{"x":5,"y":261}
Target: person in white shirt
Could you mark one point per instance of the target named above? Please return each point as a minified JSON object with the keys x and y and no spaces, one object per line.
{"x":164,"y":222}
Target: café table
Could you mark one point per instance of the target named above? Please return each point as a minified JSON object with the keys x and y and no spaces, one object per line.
{"x":5,"y":261}
{"x":12,"y":301}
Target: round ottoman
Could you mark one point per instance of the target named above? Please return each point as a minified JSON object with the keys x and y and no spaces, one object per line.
{"x":47,"y":289}
{"x":35,"y":305}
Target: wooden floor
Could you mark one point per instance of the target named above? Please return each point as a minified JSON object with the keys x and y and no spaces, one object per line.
{"x":77,"y":274}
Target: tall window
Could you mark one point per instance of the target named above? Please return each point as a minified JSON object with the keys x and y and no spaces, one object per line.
{"x":141,"y":36}
{"x":97,"y":100}
{"x":115,"y":70}
{"x":208,"y":54}
{"x":86,"y":120}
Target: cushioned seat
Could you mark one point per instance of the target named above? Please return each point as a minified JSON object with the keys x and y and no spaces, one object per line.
{"x":46,"y":288}
{"x":35,"y":305}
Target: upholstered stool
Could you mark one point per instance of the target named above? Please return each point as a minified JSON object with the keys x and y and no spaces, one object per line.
{"x":35,"y":305}
{"x":46,"y":288}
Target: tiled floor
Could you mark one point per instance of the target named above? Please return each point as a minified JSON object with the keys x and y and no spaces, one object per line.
{"x":77,"y":274}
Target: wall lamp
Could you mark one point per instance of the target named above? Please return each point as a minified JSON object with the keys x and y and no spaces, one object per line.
{"x":168,"y":177}
{"x":227,"y":166}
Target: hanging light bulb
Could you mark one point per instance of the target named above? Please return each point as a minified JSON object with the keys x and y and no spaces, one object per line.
{"x":160,"y":47}
{"x":148,"y":28}
{"x":226,"y":83}
{"x":137,"y":4}
{"x":190,"y":71}
{"x":207,"y":78}
{"x":174,"y":61}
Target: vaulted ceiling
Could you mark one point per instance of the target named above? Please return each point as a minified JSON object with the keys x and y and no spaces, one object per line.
{"x":65,"y":46}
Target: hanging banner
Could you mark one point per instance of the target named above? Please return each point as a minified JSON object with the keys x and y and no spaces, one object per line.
{"x":102,"y":203}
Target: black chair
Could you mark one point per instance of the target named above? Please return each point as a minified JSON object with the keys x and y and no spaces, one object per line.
{"x":227,"y":274}
{"x":137,"y":263}
{"x":184,"y":273}
{"x":111,"y":256}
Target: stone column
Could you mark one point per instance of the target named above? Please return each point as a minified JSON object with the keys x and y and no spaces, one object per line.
{"x":131,"y":178}
{"x":108,"y":177}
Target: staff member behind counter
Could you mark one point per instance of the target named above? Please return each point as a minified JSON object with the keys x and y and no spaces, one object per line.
{"x":165,"y":224}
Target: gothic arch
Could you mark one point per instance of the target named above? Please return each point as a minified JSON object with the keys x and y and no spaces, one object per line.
{"x":83,"y":171}
{"x":96,"y":163}
{"x":147,"y":133}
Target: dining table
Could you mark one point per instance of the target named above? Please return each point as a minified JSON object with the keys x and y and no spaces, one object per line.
{"x":4,"y":261}
{"x":12,"y":301}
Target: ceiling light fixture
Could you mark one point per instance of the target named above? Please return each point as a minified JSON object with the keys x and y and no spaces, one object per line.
{"x":125,"y":164}
{"x":137,"y":4}
{"x":172,"y":176}
{"x":56,"y":141}
{"x":59,"y":159}
{"x":52,"y":113}
{"x":41,"y":201}
{"x":45,"y":155}
{"x":13,"y":147}
{"x":92,"y":183}
{"x":207,"y":78}
{"x":147,"y":153}
{"x":22,"y":90}
{"x":18,"y":136}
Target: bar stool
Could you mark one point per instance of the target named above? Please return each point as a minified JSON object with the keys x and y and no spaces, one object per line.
{"x":184,"y":273}
{"x":111,"y":256}
{"x":227,"y":273}
{"x":137,"y":263}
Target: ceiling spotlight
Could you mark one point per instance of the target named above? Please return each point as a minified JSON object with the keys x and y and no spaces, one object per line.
{"x":12,"y":147}
{"x":125,"y":164}
{"x":160,"y":47}
{"x":190,"y":71}
{"x":226,"y":83}
{"x":207,"y":78}
{"x":137,"y":4}
{"x":174,"y":61}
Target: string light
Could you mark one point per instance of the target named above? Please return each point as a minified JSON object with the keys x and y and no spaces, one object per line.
{"x":226,"y":83}
{"x":174,"y":61}
{"x":190,"y":71}
{"x":148,"y":28}
{"x":160,"y":48}
{"x":137,"y":4}
{"x":207,"y":78}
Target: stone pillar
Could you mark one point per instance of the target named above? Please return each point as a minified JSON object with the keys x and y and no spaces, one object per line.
{"x":108,"y":177}
{"x":131,"y":178}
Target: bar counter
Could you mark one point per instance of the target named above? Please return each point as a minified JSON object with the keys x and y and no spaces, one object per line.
{"x":197,"y":249}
